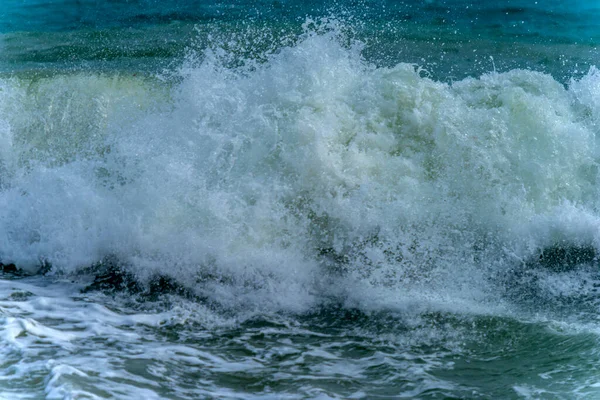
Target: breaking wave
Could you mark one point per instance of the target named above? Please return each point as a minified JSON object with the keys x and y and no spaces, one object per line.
{"x":310,"y":175}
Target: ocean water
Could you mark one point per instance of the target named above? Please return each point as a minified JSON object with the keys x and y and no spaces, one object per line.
{"x":299,"y":200}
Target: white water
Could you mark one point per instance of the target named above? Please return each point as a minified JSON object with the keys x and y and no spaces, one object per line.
{"x":278,"y":192}
{"x":246,"y":185}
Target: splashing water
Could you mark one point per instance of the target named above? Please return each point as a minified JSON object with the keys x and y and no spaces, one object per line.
{"x":326,"y":218}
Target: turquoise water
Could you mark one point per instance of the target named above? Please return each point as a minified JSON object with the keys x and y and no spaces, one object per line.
{"x":265,"y":200}
{"x":454,"y":39}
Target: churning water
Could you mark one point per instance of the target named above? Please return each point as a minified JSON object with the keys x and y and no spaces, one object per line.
{"x":296,"y":200}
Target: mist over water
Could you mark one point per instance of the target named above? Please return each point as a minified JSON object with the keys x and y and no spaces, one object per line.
{"x":332,"y":206}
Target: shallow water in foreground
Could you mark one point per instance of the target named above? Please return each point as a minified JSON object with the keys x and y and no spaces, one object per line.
{"x":60,"y":343}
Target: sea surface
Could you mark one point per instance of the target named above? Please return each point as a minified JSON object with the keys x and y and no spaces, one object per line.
{"x":293,"y":199}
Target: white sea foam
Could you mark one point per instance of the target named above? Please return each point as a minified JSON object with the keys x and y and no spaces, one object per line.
{"x":312,"y":174}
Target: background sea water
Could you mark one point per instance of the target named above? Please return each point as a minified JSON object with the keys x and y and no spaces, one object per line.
{"x":299,"y":199}
{"x":453,"y":38}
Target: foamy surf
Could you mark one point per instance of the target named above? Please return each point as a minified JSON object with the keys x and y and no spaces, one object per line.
{"x":298,"y":223}
{"x":311,"y":162}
